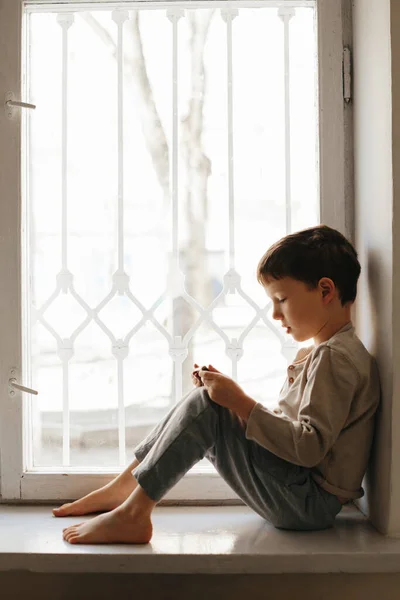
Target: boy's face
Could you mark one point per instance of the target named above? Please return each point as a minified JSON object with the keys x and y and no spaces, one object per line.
{"x":301,"y":310}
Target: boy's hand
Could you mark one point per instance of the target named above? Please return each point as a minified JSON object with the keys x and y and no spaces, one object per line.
{"x":195,"y":377}
{"x":226,"y":392}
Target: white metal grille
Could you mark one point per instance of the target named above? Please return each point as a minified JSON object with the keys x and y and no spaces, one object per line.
{"x":123,"y":287}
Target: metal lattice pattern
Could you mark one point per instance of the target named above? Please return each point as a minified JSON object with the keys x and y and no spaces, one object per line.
{"x":178,"y":346}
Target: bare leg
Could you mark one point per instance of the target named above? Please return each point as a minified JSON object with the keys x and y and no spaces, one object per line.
{"x":130,"y":518}
{"x":104,"y":499}
{"x":114,"y":493}
{"x":129,"y":523}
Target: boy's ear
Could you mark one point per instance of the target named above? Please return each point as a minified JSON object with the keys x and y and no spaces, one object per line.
{"x":327,"y":286}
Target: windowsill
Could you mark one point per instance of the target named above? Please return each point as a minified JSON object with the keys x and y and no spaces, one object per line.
{"x":209,"y":540}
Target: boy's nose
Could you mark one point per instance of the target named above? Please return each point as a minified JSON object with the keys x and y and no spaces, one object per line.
{"x":276,"y":314}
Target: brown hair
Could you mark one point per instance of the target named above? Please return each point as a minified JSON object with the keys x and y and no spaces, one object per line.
{"x":311,"y":254}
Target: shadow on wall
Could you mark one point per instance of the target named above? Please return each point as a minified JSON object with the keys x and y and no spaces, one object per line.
{"x":376,"y":484}
{"x":374,"y":279}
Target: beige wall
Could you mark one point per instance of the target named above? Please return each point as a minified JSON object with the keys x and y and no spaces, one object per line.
{"x":376,"y":131}
{"x":395,"y":480}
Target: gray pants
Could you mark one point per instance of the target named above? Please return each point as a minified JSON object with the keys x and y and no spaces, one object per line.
{"x":196,"y":427}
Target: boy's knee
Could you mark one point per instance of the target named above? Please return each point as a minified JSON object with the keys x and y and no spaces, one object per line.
{"x":199,"y":394}
{"x":196,"y":403}
{"x":200,"y":398}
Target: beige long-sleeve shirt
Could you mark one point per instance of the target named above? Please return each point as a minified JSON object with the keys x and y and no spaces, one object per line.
{"x":325,"y":414}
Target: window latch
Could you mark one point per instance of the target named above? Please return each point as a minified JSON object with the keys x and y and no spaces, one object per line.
{"x":10,"y":105}
{"x":13,"y":385}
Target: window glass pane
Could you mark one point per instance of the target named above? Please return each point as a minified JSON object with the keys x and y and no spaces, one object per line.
{"x":161,"y":141}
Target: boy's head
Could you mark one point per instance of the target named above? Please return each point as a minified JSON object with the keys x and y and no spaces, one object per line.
{"x":320,"y":269}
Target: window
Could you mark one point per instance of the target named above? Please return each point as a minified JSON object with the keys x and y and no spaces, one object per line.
{"x":171,"y":144}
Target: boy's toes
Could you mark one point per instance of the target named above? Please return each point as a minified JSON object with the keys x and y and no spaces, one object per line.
{"x":62,"y":511}
{"x":72,"y":529}
{"x":73,"y":539}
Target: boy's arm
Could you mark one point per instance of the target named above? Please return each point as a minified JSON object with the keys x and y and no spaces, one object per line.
{"x":324,"y":409}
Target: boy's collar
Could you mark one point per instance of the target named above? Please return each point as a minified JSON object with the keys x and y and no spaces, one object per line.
{"x":302,"y":353}
{"x":346,"y":327}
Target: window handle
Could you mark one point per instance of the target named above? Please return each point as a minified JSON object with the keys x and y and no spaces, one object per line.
{"x":13,"y":385}
{"x":22,"y":104}
{"x":11,"y":104}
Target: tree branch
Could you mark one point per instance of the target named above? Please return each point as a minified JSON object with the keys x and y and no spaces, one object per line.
{"x":154,"y":135}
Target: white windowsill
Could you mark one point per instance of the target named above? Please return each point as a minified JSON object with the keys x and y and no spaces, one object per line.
{"x":211,"y":540}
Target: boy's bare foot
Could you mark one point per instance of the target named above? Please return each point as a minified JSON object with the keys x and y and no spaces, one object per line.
{"x":106,"y":498}
{"x":118,"y":526}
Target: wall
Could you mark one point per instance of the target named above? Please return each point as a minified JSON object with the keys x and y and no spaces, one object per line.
{"x":376,"y":129}
{"x":395,"y":421}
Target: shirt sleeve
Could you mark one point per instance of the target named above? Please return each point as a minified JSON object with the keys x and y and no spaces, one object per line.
{"x":324,"y":407}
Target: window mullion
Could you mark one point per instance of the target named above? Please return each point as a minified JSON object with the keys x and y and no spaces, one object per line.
{"x":286,"y":14}
{"x":120,"y":17}
{"x":65,"y":21}
{"x":332,"y":156}
{"x":11,"y":415}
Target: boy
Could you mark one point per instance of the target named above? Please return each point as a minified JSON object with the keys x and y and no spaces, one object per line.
{"x":295,"y":465}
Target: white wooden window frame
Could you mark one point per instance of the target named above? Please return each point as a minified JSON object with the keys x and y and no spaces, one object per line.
{"x":16,"y":483}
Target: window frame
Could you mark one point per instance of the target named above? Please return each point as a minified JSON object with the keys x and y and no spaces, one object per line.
{"x":336,"y":201}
